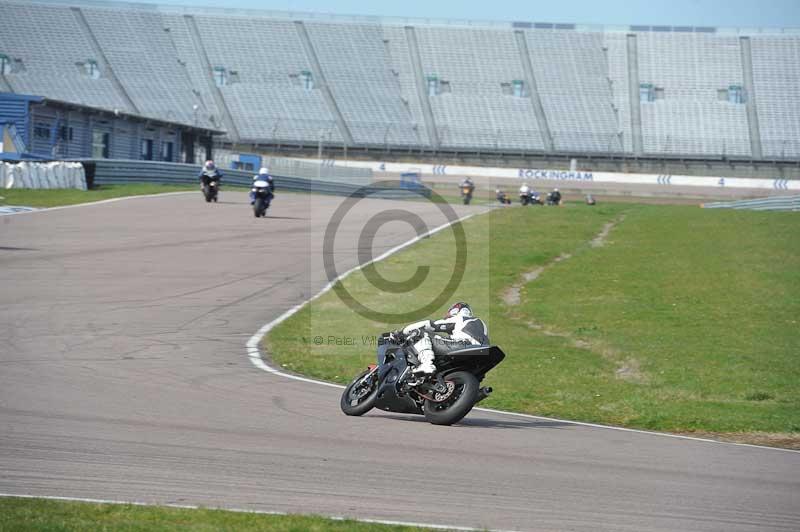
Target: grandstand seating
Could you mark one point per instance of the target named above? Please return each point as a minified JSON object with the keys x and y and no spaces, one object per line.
{"x":365,"y":90}
{"x":267,"y":101}
{"x":162,"y":60}
{"x":616,"y":49}
{"x":692,"y":68}
{"x":571,"y":72}
{"x":144,"y":59}
{"x":776,"y":71}
{"x":476,"y":113}
{"x":52,"y":47}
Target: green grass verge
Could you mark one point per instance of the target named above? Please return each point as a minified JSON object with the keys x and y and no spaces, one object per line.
{"x":686,"y":320}
{"x":49,"y":515}
{"x":59,"y":197}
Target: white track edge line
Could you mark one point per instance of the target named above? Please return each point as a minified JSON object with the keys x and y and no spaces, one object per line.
{"x":98,"y":202}
{"x":253,"y":350}
{"x":254,"y":354}
{"x":245,"y":511}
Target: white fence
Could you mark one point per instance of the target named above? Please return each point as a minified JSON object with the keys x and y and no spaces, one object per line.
{"x":782,"y":203}
{"x":42,"y":175}
{"x":527,"y":174}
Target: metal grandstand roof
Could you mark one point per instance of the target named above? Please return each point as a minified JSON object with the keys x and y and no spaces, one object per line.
{"x":334,"y":17}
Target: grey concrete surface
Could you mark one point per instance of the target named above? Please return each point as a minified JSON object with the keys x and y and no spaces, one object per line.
{"x":123,"y":376}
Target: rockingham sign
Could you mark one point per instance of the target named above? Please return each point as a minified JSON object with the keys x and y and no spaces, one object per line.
{"x":573,"y":176}
{"x":555,"y":175}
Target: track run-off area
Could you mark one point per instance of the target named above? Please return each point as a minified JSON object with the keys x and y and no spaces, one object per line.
{"x":124,"y":376}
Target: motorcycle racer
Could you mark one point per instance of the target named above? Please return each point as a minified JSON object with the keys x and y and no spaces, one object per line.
{"x":464,"y":330}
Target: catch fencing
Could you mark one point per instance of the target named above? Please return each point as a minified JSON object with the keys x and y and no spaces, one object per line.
{"x":113,"y":172}
{"x":780,"y":203}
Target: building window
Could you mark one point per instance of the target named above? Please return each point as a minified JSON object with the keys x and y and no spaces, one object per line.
{"x":307,"y":80}
{"x":41,"y":131}
{"x":518,"y":88}
{"x":65,"y":133}
{"x":433,"y":85}
{"x":5,"y":65}
{"x":92,"y":70}
{"x":100,"y":142}
{"x":647,"y":92}
{"x":146,"y":152}
{"x":736,"y":94}
{"x":166,"y":151}
{"x":220,"y":76}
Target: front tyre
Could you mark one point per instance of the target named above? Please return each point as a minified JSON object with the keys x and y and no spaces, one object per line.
{"x":451,"y":407}
{"x":259,"y":208}
{"x":359,"y":397}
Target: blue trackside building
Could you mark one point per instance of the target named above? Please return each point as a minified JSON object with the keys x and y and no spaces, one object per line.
{"x":35,"y":127}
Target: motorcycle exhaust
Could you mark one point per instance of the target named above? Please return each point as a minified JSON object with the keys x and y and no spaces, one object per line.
{"x":483,"y":393}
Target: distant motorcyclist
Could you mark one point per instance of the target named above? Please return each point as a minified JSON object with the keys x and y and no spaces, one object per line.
{"x":463,"y":328}
{"x":210,"y":178}
{"x":262,"y":175}
{"x":502,"y":197}
{"x":467,"y":188}
{"x":555,"y":197}
{"x":209,"y":173}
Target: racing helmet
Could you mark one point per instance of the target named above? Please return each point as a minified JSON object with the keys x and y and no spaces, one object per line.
{"x":210,"y":166}
{"x":263,"y":170}
{"x":457,"y":309}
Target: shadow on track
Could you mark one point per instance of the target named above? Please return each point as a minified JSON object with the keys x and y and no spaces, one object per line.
{"x":285,"y":218}
{"x":490,"y":423}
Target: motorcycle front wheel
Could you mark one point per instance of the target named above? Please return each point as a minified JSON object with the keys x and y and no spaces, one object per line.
{"x":359,"y":398}
{"x":451,"y":406}
{"x":258,"y":208}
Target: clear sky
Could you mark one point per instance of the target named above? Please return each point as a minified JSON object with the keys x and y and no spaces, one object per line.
{"x":728,"y":13}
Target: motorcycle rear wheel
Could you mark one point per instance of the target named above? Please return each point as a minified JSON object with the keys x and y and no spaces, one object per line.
{"x":458,"y":403}
{"x":357,"y":401}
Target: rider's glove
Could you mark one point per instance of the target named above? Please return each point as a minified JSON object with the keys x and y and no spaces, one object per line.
{"x":397,"y":337}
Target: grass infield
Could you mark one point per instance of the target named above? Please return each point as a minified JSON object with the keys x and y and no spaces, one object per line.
{"x":50,"y":515}
{"x":670,"y":318}
{"x":60,"y":197}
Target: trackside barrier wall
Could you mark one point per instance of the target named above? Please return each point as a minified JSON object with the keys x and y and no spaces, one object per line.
{"x":109,"y":172}
{"x":782,"y":203}
{"x":42,"y":175}
{"x":533,"y":174}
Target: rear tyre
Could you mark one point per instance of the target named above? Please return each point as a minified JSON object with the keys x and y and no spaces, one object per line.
{"x":357,"y":399}
{"x":452,"y":406}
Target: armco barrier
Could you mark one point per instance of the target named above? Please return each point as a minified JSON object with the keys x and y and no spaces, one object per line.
{"x":111,"y":172}
{"x":779,"y":203}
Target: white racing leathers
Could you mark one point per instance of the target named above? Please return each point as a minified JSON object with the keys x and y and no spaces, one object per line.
{"x":464,"y":332}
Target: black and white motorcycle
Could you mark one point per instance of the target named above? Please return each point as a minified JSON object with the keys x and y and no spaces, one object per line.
{"x":262,"y":196}
{"x":210,"y":187}
{"x":444,"y":397}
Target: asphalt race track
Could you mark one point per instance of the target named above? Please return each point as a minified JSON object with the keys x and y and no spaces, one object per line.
{"x":124,"y":376}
